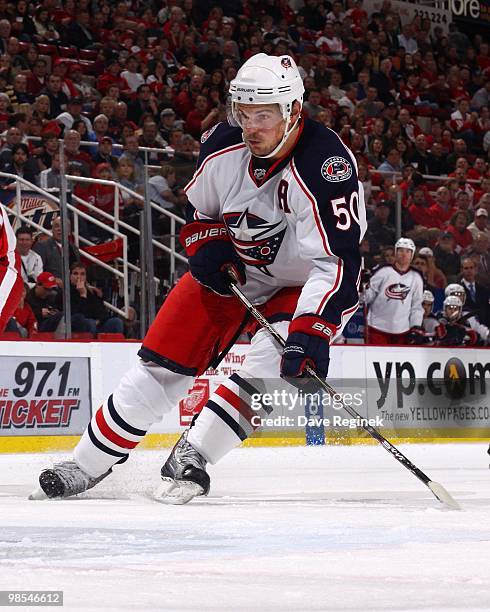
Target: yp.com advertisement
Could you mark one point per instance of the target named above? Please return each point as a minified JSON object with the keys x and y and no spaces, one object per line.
{"x":433,"y":389}
{"x":406,"y":392}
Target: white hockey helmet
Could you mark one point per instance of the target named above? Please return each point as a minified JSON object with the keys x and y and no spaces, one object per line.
{"x":428,"y":297}
{"x":267,"y":79}
{"x":457,"y":290}
{"x":405,"y":243}
{"x":453,"y":307}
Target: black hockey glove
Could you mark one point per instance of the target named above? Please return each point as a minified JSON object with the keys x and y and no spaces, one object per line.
{"x":308,"y":342}
{"x":416,"y":335}
{"x":211,"y":253}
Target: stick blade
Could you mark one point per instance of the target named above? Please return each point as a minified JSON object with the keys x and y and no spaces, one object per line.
{"x":443,"y":496}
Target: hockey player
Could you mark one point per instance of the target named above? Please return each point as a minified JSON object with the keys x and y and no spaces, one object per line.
{"x":11,"y":284}
{"x":453,"y":329}
{"x":394,"y":297}
{"x":276,"y":198}
{"x":469,"y":316}
{"x":429,"y":322}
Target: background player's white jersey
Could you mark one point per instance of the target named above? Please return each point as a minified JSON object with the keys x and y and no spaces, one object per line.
{"x":295,"y":221}
{"x":395,"y":300}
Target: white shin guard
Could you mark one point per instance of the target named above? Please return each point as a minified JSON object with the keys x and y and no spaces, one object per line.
{"x":145,"y":393}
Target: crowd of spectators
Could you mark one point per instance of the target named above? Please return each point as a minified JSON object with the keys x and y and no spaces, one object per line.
{"x":409,"y":98}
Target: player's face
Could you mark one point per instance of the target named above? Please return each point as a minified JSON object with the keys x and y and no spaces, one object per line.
{"x":263,"y":127}
{"x":427,"y":306}
{"x":403,"y":258}
{"x":452,"y":312}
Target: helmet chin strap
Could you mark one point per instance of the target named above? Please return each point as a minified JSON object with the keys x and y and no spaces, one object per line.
{"x":287,"y":132}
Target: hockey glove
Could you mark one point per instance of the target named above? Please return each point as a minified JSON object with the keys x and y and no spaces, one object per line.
{"x":308,"y":342}
{"x":416,"y":335}
{"x":211,"y":252}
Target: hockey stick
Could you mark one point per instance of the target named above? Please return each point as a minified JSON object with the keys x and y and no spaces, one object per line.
{"x":437,"y":489}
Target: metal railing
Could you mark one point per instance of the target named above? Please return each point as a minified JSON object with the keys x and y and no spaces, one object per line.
{"x":17,"y":213}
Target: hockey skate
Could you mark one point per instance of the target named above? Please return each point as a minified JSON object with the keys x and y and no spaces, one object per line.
{"x":184,"y":475}
{"x":64,"y":480}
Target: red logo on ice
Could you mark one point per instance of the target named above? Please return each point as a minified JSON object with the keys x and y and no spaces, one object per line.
{"x":194,"y":402}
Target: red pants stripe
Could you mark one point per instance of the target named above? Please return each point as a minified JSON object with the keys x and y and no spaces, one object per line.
{"x":195,"y":324}
{"x":376,"y":336}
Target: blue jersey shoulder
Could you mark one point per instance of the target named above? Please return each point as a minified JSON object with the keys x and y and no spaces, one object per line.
{"x":323,"y":162}
{"x":219,"y":137}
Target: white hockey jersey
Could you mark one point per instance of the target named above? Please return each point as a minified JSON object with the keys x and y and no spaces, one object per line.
{"x":395,"y":300}
{"x":297,"y":222}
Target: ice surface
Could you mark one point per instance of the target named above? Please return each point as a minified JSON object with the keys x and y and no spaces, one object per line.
{"x":328,"y":528}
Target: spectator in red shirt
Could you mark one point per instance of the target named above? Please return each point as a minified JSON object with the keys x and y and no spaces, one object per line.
{"x":201,"y":118}
{"x":23,"y":320}
{"x":441,"y":211}
{"x":459,"y":229}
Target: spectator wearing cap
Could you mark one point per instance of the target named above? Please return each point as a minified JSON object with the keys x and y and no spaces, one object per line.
{"x":41,"y":298}
{"x":380,"y":230}
{"x":104,"y":155}
{"x":50,"y":252}
{"x":31,"y":262}
{"x":74,"y":113}
{"x":446,"y":257}
{"x":435,"y":277}
{"x":167,"y":123}
{"x":480,"y":223}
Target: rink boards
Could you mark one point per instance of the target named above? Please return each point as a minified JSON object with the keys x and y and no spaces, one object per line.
{"x":48,"y":391}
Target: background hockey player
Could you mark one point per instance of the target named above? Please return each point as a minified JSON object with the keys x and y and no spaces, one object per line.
{"x":277,"y":198}
{"x":394,"y":297}
{"x":429,"y":322}
{"x":453,"y":329}
{"x":471,"y":317}
{"x":11,"y":284}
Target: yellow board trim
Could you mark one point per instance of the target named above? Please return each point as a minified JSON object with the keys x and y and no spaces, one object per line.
{"x":37,"y":444}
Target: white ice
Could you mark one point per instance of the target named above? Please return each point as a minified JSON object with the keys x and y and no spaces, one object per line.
{"x":326,"y":528}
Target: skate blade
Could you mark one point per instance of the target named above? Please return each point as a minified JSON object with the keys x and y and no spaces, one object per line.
{"x":177,"y":492}
{"x":38,"y":495}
